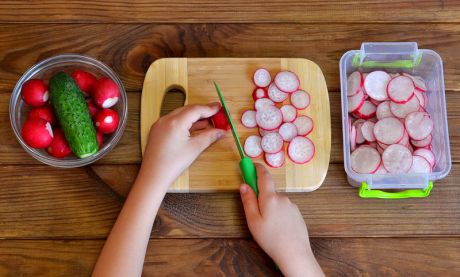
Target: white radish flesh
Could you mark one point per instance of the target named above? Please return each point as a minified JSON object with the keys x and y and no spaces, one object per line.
{"x":353,"y":135}
{"x":252,"y":146}
{"x":304,"y":125}
{"x":275,"y":160}
{"x":301,"y":150}
{"x":366,"y":111}
{"x":367,"y":129}
{"x":375,"y":85}
{"x":275,"y":94}
{"x":287,"y":81}
{"x":289,"y":113}
{"x":422,"y":143}
{"x":402,"y":110}
{"x":262,"y":103}
{"x":354,"y":83}
{"x":262,"y":77}
{"x":420,"y":165}
{"x":263,"y":132}
{"x":269,"y":118}
{"x":300,"y":99}
{"x":383,"y":110}
{"x":356,"y":101}
{"x":419,"y":125}
{"x":272,"y":143}
{"x":365,"y":160}
{"x":400,"y":89}
{"x":259,"y":93}
{"x":388,"y":130}
{"x":248,"y":119}
{"x":427,"y":154}
{"x":288,"y":131}
{"x":397,"y":159}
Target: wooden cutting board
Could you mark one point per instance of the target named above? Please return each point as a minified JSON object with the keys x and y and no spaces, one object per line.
{"x":217,"y":168}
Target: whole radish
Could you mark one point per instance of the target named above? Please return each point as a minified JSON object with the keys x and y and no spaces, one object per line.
{"x":37,"y":133}
{"x":45,"y":113}
{"x":106,"y":121}
{"x":93,"y":109}
{"x":100,"y":138}
{"x":59,"y":147}
{"x":105,"y":93}
{"x":84,"y":80}
{"x":35,"y":92}
{"x":219,"y":120}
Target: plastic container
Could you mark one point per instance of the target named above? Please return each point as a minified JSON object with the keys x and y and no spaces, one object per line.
{"x":44,"y":70}
{"x":395,"y":57}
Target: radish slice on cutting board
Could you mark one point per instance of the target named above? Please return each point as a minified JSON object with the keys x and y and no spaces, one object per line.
{"x":269,"y":117}
{"x":252,"y":146}
{"x":289,"y":113}
{"x":272,"y":143}
{"x":248,"y":119}
{"x":300,"y":99}
{"x":287,"y":81}
{"x":301,"y":150}
{"x":262,"y":103}
{"x":259,"y":93}
{"x":262,"y":77}
{"x":304,"y":125}
{"x":276,"y":95}
{"x":275,"y":160}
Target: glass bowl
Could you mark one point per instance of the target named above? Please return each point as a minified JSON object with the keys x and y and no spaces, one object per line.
{"x":44,"y":70}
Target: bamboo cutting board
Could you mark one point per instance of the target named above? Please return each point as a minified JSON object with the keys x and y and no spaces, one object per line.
{"x":217,"y":168}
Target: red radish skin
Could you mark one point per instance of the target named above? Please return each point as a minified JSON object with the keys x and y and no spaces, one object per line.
{"x":106,"y":121}
{"x":37,"y":133}
{"x":100,"y":139}
{"x":259,"y":93}
{"x":289,"y":113}
{"x":356,"y":101}
{"x":300,"y":99}
{"x":59,"y":147}
{"x":92,"y":108}
{"x":252,"y":146}
{"x":375,"y":85}
{"x":397,"y":159}
{"x":287,"y":81}
{"x":400,"y":89}
{"x":84,"y":80}
{"x":301,"y":150}
{"x":365,"y":160}
{"x":419,"y":125}
{"x":220,"y":121}
{"x":275,"y":160}
{"x":366,"y":111}
{"x":34,"y":92}
{"x":262,"y":77}
{"x":355,"y":83}
{"x":276,"y":95}
{"x":46,"y":113}
{"x":105,"y":93}
{"x":248,"y":119}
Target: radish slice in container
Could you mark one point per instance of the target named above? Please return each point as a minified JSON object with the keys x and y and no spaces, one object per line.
{"x":359,"y":137}
{"x":262,"y":77}
{"x":301,"y":150}
{"x":289,"y":113}
{"x":304,"y":125}
{"x":356,"y":101}
{"x":379,"y":149}
{"x":300,"y":99}
{"x":381,"y":170}
{"x":248,"y":119}
{"x":353,"y":135}
{"x":402,"y":110}
{"x":287,"y":81}
{"x":288,"y":131}
{"x":272,"y":143}
{"x":275,"y":94}
{"x":419,"y":83}
{"x":269,"y":118}
{"x":388,"y":130}
{"x":419,"y":125}
{"x":397,"y":159}
{"x":355,"y":83}
{"x":252,"y":146}
{"x":422,"y":143}
{"x":383,"y":110}
{"x":365,"y":160}
{"x":263,"y":132}
{"x":375,"y":85}
{"x":404,"y":140}
{"x":427,"y":154}
{"x":366,"y":111}
{"x":275,"y":160}
{"x":375,"y":102}
{"x":259,"y":93}
{"x":262,"y":103}
{"x":367,"y":129}
{"x":400,"y":89}
{"x":383,"y":145}
{"x":420,"y":165}
{"x":421,"y":97}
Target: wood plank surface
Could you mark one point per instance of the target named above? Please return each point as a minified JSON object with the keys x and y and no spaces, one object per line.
{"x":229,"y":11}
{"x":235,"y":257}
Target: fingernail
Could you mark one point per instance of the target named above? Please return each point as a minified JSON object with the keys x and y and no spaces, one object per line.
{"x":221,"y":134}
{"x":243,"y":189}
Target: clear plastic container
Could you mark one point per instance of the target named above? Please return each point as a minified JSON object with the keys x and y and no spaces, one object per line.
{"x":396,"y":57}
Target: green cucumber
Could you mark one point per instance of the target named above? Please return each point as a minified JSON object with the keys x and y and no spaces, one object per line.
{"x":73,"y":115}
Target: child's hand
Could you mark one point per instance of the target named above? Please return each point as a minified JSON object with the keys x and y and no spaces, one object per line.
{"x":278,"y":227}
{"x":172,"y":145}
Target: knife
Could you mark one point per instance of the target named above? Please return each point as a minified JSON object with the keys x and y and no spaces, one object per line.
{"x":246,"y":166}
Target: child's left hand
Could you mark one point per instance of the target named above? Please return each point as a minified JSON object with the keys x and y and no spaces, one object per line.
{"x":172,"y":146}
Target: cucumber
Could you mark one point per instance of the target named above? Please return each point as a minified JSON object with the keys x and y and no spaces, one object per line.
{"x":73,"y":115}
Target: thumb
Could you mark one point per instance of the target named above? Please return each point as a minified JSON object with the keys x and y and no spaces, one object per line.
{"x":250,"y":204}
{"x":204,"y":139}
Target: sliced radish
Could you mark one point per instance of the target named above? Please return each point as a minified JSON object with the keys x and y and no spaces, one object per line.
{"x":381,"y":169}
{"x":301,"y":150}
{"x":383,"y":145}
{"x":419,"y":82}
{"x":84,"y":80}
{"x":404,"y":140}
{"x":383,"y":110}
{"x":375,"y":85}
{"x":422,"y":143}
{"x":248,"y":119}
{"x":259,"y":93}
{"x":105,"y":93}
{"x":106,"y":121}
{"x":419,"y":125}
{"x":304,"y":125}
{"x":389,"y":130}
{"x":252,"y":146}
{"x":355,"y":83}
{"x":365,"y":160}
{"x":37,"y":133}
{"x":380,"y":149}
{"x":427,"y":154}
{"x":45,"y":113}
{"x":300,"y":99}
{"x":272,"y":143}
{"x":397,"y":159}
{"x":367,"y":129}
{"x":263,"y":132}
{"x":372,"y":144}
{"x":59,"y":147}
{"x":402,"y":110}
{"x":400,"y":89}
{"x":375,"y":102}
{"x":269,"y":118}
{"x":262,"y":77}
{"x":289,"y":113}
{"x":275,"y":94}
{"x":288,"y":131}
{"x":275,"y":160}
{"x":359,"y":137}
{"x":421,"y":97}
{"x":353,"y":135}
{"x":420,"y":165}
{"x":366,"y":111}
{"x":287,"y":81}
{"x":356,"y":101}
{"x":262,"y":103}
{"x":34,"y":92}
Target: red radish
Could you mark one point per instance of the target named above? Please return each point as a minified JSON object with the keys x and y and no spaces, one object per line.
{"x":275,"y":94}
{"x":365,"y":160}
{"x":422,"y":143}
{"x":46,"y":113}
{"x":301,"y":150}
{"x":252,"y":146}
{"x":389,"y":130}
{"x":35,"y":92}
{"x":263,"y":132}
{"x":383,"y":110}
{"x":304,"y":125}
{"x":356,"y":101}
{"x":269,"y":118}
{"x":367,"y":129}
{"x":287,"y":81}
{"x":106,"y":121}
{"x":402,"y":110}
{"x":272,"y":143}
{"x":262,"y":77}
{"x":85,"y":81}
{"x":100,"y":139}
{"x":220,"y":121}
{"x":37,"y":133}
{"x":355,"y":83}
{"x":105,"y":93}
{"x":300,"y":99}
{"x":275,"y":160}
{"x":400,"y":89}
{"x":289,"y":113}
{"x":366,"y":111}
{"x":262,"y":103}
{"x":259,"y":93}
{"x":288,"y":131}
{"x":397,"y":159}
{"x":248,"y":119}
{"x":420,"y":165}
{"x":419,"y":125}
{"x":375,"y":85}
{"x":92,"y":108}
{"x":427,"y":154}
{"x":59,"y":147}
{"x":353,"y":135}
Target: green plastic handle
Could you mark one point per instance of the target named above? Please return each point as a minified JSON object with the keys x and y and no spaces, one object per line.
{"x":249,"y":173}
{"x":365,"y":192}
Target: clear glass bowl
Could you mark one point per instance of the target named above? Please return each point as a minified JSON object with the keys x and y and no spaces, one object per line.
{"x":44,"y":70}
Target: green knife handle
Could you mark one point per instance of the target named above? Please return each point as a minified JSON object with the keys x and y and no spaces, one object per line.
{"x":249,"y":173}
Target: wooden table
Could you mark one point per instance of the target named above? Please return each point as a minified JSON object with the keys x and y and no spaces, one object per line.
{"x":54,"y":222}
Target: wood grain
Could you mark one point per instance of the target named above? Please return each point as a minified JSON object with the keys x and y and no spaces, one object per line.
{"x":237,"y":257}
{"x":229,"y":11}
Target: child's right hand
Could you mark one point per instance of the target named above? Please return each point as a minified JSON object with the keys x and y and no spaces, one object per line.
{"x":278,"y":227}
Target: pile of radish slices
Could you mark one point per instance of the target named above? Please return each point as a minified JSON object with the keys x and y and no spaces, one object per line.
{"x":389,"y":128}
{"x":275,"y":114}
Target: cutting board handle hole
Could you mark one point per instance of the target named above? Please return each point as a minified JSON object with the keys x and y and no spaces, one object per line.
{"x":174,"y":98}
